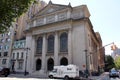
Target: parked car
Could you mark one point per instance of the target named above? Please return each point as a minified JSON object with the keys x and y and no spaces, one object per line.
{"x":4,"y":71}
{"x":114,"y":73}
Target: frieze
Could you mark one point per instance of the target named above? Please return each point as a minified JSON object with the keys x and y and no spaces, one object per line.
{"x":50,"y":19}
{"x":51,"y":29}
{"x":62,"y":16}
{"x":39,"y":22}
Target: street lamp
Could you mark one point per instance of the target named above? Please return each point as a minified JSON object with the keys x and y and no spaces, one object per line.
{"x":25,"y":73}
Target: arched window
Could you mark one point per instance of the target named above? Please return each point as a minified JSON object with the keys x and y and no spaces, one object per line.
{"x":64,"y":42}
{"x":64,"y":61}
{"x":50,"y":64}
{"x":38,"y":64}
{"x":50,"y":48}
{"x":39,"y":45}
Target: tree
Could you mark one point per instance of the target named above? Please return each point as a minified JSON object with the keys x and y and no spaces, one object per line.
{"x":11,"y":9}
{"x":109,"y":63}
{"x":117,"y":62}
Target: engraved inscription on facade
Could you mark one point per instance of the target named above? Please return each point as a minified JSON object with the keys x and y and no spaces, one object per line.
{"x":50,"y":19}
{"x":62,"y":16}
{"x":39,"y":21}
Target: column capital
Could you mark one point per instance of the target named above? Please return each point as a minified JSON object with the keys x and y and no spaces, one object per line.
{"x":56,"y":32}
{"x":70,"y":29}
{"x":44,"y":34}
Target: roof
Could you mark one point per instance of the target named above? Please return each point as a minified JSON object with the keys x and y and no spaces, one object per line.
{"x":50,"y":8}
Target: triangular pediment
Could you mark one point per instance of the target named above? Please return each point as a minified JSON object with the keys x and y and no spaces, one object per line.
{"x":50,"y":8}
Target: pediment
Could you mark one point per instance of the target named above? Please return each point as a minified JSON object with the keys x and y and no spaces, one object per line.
{"x":50,"y":8}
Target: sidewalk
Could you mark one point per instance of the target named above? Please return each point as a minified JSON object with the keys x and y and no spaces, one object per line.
{"x":26,"y":76}
{"x":93,"y":77}
{"x":98,"y":77}
{"x":45,"y":77}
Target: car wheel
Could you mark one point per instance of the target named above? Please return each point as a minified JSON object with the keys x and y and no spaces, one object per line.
{"x":6,"y":75}
{"x":66,"y":78}
{"x":109,"y":76}
{"x":51,"y":76}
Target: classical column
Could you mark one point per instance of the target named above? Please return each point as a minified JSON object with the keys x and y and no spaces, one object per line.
{"x":43,"y":52}
{"x":69,"y":47}
{"x":33,"y":47}
{"x":56,"y":49}
{"x":28,"y":53}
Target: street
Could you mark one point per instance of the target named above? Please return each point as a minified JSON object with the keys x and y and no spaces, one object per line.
{"x":11,"y":78}
{"x":115,"y":79}
{"x":104,"y":76}
{"x":16,"y":78}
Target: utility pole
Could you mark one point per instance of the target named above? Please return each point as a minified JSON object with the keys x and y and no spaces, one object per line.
{"x":86,"y":56}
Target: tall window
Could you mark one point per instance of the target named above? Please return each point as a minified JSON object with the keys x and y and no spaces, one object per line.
{"x":4,"y":61}
{"x":64,"y":42}
{"x":21,"y":55}
{"x":39,"y":45}
{"x":13,"y":55}
{"x":17,"y":55}
{"x":5,"y":53}
{"x":20,"y":65}
{"x":0,"y":47}
{"x":0,"y":54}
{"x":50,"y":44}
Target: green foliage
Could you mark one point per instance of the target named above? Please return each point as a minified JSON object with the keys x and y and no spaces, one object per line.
{"x":109,"y":62}
{"x":11,"y":9}
{"x":117,"y":62}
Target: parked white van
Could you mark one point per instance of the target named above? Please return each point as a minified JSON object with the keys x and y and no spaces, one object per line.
{"x":66,"y":72}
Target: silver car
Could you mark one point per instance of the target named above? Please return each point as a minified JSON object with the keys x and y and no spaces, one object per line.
{"x":113,"y":73}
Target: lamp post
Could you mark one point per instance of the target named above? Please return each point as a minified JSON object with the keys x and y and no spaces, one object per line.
{"x":86,"y":71}
{"x":25,"y":73}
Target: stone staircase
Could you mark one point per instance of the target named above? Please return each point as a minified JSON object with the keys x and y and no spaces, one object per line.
{"x":40,"y":74}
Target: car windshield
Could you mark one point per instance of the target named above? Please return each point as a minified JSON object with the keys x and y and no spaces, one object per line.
{"x":113,"y":70}
{"x":54,"y":70}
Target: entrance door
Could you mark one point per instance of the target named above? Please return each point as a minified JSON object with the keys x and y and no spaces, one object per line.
{"x":50,"y":64}
{"x":64,"y":61}
{"x":38,"y":64}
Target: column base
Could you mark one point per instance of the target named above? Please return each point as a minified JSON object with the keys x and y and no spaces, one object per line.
{"x":41,"y":71}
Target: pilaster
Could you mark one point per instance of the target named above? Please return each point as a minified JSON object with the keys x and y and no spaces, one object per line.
{"x":43,"y":52}
{"x":69,"y":46}
{"x":56,"y":49}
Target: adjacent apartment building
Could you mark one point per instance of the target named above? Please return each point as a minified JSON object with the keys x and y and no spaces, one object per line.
{"x":12,"y":43}
{"x":54,"y":35}
{"x":5,"y":48}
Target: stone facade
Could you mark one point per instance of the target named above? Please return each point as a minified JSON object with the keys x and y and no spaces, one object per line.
{"x":64,"y":33}
{"x":101,"y":56}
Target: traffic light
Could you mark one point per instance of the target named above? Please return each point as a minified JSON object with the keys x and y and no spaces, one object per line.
{"x":113,"y":47}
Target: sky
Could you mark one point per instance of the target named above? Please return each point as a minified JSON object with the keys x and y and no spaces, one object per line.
{"x":105,"y":18}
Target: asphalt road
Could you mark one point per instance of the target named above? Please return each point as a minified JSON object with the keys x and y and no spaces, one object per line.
{"x":114,"y":78}
{"x":22,"y":77}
